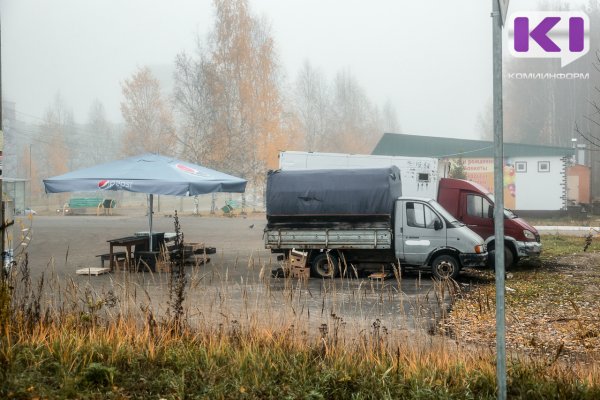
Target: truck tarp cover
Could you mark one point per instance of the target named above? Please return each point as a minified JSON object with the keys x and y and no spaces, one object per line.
{"x":333,"y":192}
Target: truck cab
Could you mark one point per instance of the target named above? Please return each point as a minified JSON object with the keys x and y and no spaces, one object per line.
{"x":426,"y":234}
{"x":473,"y":205}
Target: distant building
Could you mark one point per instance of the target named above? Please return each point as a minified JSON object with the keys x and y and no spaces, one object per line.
{"x":535,"y":177}
{"x":578,"y":184}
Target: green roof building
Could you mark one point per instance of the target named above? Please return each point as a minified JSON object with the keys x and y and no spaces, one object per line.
{"x":535,"y":177}
{"x":395,"y":144}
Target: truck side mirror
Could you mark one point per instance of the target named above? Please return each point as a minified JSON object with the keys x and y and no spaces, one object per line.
{"x":490,"y":211}
{"x":437,"y":225}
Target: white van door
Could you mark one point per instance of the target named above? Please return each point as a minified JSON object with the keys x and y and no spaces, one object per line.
{"x":422,"y":230}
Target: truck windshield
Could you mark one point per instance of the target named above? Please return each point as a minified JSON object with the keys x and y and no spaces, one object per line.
{"x":445,"y":214}
{"x":507,"y":213}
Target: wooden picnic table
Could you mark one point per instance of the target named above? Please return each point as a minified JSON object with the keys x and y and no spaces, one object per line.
{"x":127,"y":242}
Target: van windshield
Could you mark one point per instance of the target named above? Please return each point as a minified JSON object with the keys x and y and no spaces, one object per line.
{"x":445,"y":214}
{"x":507,"y":212}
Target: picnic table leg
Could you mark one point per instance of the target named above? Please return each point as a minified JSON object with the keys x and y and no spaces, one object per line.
{"x":111,"y":259}
{"x":129,"y":257}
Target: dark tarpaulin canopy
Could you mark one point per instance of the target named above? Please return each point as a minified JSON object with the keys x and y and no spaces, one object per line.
{"x":336,"y":194}
{"x":147,"y":173}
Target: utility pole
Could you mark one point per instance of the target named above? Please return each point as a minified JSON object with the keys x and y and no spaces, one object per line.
{"x":3,"y":227}
{"x":29,"y":201}
{"x":497,"y":22}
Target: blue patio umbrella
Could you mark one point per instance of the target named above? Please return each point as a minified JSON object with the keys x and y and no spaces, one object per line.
{"x":147,"y":173}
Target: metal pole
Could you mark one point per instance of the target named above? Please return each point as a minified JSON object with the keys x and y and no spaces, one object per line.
{"x":30,"y":202}
{"x":499,"y":200}
{"x":150,"y":210}
{"x":3,"y":229}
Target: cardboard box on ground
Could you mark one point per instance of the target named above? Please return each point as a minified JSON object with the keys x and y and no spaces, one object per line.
{"x":297,"y":265}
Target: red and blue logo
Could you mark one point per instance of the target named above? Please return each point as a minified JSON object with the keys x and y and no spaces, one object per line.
{"x":191,"y":171}
{"x":186,"y":169}
{"x":106,"y":184}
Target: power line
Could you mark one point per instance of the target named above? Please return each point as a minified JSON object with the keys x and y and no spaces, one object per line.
{"x":465,"y":152}
{"x":78,"y":128}
{"x":34,"y":132}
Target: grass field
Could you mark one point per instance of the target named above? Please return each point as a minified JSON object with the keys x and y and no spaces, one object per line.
{"x":61,"y":340}
{"x":584,"y":220}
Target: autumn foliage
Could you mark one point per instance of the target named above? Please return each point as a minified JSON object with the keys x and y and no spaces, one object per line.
{"x":232,"y":109}
{"x":148,"y":119}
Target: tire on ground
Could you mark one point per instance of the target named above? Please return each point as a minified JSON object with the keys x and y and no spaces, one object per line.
{"x":324,"y":266}
{"x":445,"y":266}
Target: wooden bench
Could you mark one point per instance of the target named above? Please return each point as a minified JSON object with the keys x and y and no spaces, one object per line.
{"x":79,"y":205}
{"x":120,"y":257}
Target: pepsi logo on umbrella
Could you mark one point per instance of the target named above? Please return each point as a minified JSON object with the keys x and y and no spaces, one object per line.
{"x":191,"y":171}
{"x":106,"y":184}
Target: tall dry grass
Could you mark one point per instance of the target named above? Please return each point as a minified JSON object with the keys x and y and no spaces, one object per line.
{"x":199,"y":334}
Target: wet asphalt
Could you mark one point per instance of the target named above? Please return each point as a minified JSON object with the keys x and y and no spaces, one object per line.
{"x":237,"y":279}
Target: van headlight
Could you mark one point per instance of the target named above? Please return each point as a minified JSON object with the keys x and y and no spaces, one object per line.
{"x":480,"y":248}
{"x":528,"y":235}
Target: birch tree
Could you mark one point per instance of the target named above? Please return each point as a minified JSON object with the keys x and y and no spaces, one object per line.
{"x":246,"y":88}
{"x":101,"y":135}
{"x":313,"y":105}
{"x":390,"y":119}
{"x":228,"y":98}
{"x":57,"y":137}
{"x":357,"y":125}
{"x":195,"y":111}
{"x":149,"y":125}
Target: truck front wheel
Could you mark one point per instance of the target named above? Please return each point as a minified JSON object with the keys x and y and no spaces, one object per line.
{"x":325,"y":267}
{"x":444,"y":267}
{"x":509,"y":258}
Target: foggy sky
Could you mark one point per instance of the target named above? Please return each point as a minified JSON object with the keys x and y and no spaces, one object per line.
{"x":431,"y":59}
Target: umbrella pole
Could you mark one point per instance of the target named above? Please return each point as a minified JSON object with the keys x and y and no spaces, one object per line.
{"x":150,"y":211}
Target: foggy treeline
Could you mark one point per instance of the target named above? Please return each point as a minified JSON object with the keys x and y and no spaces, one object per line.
{"x":231,"y":108}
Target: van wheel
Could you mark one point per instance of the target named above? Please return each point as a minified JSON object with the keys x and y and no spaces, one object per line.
{"x":445,"y":267}
{"x":322,"y":267}
{"x":509,"y":258}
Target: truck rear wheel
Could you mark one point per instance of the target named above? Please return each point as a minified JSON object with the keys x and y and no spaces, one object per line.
{"x":325,"y":267}
{"x":445,"y":266}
